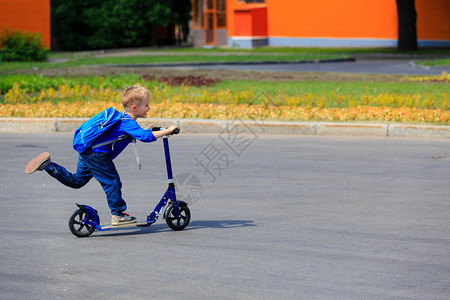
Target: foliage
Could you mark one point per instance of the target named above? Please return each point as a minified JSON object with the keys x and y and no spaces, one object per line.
{"x":21,"y":46}
{"x":103,"y":24}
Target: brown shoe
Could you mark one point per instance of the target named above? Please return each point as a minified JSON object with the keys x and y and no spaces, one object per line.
{"x":122,"y":220}
{"x":38,"y":163}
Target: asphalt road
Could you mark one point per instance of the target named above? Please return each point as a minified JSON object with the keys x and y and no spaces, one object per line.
{"x":273,"y":217}
{"x":364,"y":66}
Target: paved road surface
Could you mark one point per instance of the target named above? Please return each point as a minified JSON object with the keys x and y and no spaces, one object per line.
{"x":286,"y":218}
{"x":375,"y":66}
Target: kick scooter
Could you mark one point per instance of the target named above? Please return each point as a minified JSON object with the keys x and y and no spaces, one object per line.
{"x":85,"y":220}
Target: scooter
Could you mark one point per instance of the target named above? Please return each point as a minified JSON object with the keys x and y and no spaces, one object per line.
{"x":85,"y":220}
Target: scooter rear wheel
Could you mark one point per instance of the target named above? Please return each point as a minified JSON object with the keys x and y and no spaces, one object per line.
{"x":178,"y":223}
{"x":77,"y":227}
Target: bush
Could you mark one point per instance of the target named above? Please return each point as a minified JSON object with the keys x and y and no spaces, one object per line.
{"x":21,"y":46}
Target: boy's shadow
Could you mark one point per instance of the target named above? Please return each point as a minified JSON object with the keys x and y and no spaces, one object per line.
{"x":193,"y":225}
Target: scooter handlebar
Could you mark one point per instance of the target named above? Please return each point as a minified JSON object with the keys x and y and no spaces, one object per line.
{"x":175,"y":131}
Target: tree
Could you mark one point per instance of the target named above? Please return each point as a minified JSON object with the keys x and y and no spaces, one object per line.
{"x":181,"y":15}
{"x":106,"y":24}
{"x":407,"y":32}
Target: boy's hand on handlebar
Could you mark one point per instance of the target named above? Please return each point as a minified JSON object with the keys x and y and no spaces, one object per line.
{"x":173,"y":129}
{"x":159,"y":132}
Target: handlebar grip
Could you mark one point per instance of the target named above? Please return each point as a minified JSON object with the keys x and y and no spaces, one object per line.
{"x":175,"y":131}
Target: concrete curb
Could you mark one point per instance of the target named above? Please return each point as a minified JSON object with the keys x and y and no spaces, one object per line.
{"x":44,"y":125}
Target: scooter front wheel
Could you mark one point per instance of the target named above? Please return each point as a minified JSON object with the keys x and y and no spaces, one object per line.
{"x":77,"y":227}
{"x":178,"y":223}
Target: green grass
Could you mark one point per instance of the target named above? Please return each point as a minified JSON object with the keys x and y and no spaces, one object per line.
{"x":292,"y":50}
{"x":435,"y":62}
{"x":338,"y":94}
{"x":192,"y":55}
{"x":196,"y":58}
{"x":34,"y":83}
{"x":163,"y":59}
{"x":349,"y":88}
{"x":256,"y":92}
{"x":262,"y":90}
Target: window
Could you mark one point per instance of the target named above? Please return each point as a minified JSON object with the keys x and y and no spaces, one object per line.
{"x":216,"y":9}
{"x":221,"y":13}
{"x":198,"y":13}
{"x":209,"y":4}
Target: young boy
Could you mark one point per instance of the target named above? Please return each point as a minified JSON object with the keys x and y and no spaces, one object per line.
{"x":98,"y":162}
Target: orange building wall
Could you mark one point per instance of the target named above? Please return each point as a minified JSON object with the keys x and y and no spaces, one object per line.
{"x":231,"y":7}
{"x":347,"y":18}
{"x":337,"y":19}
{"x":243,"y":23}
{"x":250,"y":22}
{"x":433,"y":20}
{"x":26,"y":15}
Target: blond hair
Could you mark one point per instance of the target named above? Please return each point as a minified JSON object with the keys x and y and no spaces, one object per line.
{"x":134,"y":95}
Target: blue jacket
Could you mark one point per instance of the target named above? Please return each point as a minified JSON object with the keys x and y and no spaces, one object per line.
{"x":126,"y":126}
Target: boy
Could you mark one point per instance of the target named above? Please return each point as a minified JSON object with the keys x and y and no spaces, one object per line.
{"x":98,"y":162}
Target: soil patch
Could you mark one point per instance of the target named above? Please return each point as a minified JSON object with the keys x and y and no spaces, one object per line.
{"x":189,"y":80}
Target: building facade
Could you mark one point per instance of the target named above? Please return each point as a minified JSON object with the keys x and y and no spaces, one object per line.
{"x":26,"y":15}
{"x":306,"y":23}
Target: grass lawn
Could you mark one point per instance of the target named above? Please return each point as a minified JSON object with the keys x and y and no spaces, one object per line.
{"x":435,"y":62}
{"x":197,"y":55}
{"x":356,"y":88}
{"x":190,"y":55}
{"x":81,"y":78}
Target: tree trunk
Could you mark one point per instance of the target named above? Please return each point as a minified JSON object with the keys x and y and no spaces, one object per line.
{"x":407,"y":33}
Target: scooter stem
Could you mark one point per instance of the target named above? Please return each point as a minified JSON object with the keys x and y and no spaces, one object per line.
{"x":168,"y":163}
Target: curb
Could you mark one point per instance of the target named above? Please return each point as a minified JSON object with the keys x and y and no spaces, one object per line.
{"x":237,"y":126}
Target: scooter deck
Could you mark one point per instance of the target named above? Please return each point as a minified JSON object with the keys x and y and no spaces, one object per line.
{"x":109,"y":226}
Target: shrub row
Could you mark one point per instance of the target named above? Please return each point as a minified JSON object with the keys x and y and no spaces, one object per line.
{"x":21,"y":46}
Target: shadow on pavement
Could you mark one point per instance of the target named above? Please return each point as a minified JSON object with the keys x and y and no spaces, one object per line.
{"x":162,"y":227}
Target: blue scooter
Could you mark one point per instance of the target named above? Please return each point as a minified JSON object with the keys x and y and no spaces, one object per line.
{"x":85,"y":219}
